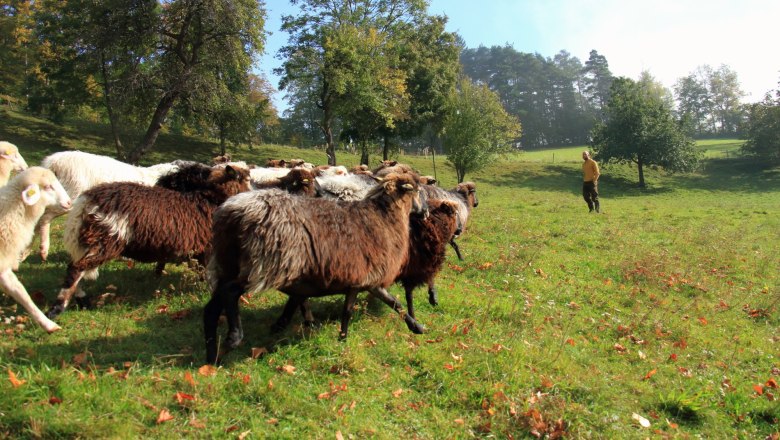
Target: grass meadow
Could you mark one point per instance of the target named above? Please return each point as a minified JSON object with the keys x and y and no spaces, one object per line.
{"x":658,"y":318}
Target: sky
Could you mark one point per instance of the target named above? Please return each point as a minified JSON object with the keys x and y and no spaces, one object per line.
{"x":668,"y":38}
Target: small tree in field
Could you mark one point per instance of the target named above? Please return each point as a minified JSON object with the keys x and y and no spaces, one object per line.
{"x":476,"y":128}
{"x":639,"y":128}
{"x":762,"y":130}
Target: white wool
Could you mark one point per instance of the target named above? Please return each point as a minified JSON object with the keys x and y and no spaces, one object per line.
{"x":267,"y":174}
{"x":349,"y":187}
{"x":10,"y":160}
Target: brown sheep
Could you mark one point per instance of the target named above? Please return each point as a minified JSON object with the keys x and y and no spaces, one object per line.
{"x":308,"y":247}
{"x":428,"y":240}
{"x":298,"y":181}
{"x":167,"y":222}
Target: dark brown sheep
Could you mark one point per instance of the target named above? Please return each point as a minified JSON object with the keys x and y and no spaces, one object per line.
{"x":167,"y":222}
{"x":298,"y":181}
{"x":428,"y":240}
{"x":308,"y":247}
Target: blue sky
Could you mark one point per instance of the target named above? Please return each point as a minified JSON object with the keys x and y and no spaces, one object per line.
{"x":666,"y":37}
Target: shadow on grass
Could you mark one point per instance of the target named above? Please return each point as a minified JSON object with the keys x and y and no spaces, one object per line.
{"x":734,"y":174}
{"x":174,"y":337}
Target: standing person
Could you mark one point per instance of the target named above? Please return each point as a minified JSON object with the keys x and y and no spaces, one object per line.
{"x":590,"y":181}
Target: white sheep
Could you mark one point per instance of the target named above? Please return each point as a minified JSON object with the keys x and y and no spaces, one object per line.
{"x":346,"y":187}
{"x":10,"y":160}
{"x":79,"y":171}
{"x":261,"y":175}
{"x":22,"y":202}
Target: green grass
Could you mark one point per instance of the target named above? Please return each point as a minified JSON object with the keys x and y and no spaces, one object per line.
{"x":666,"y":305}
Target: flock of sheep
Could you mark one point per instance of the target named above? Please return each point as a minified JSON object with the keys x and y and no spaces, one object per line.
{"x":303,"y":230}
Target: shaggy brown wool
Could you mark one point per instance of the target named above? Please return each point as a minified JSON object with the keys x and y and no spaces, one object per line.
{"x":428,"y":240}
{"x":298,"y":181}
{"x":308,"y":247}
{"x":148,"y":224}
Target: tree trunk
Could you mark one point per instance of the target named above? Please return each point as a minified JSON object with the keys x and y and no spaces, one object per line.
{"x":640,"y":166}
{"x":163,"y":107}
{"x":222,"y":139}
{"x":120,"y":154}
{"x":364,"y":152}
{"x":326,"y":125}
{"x":385,"y":147}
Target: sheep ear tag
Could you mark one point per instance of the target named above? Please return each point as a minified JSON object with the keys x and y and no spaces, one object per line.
{"x":31,"y":194}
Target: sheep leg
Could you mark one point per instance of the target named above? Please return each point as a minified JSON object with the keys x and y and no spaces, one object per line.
{"x":293,"y":303}
{"x":16,"y":290}
{"x":391,"y":301}
{"x":69,"y":288}
{"x":230,"y":298}
{"x":210,"y":320}
{"x":457,"y":249}
{"x":43,"y":229}
{"x":433,"y":295}
{"x":160,"y":268}
{"x":409,"y":300}
{"x":308,"y":318}
{"x":346,"y":313}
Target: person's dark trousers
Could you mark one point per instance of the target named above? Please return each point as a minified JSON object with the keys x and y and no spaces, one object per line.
{"x":590,"y":192}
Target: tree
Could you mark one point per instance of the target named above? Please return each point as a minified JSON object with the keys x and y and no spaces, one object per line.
{"x":324,"y":25}
{"x":639,"y":128}
{"x":597,"y":80}
{"x":725,"y":95}
{"x":693,"y":101}
{"x":476,"y":128}
{"x":144,"y":56}
{"x":762,"y":129}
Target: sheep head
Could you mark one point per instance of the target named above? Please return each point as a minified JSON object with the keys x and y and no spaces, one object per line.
{"x":469,"y":192}
{"x":300,"y":181}
{"x":402,"y":189}
{"x":40,"y":187}
{"x":9,"y":152}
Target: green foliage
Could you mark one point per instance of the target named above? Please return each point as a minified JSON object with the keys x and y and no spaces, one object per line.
{"x":709,"y":99}
{"x":762,"y":130}
{"x":476,"y":128}
{"x":640,"y":129}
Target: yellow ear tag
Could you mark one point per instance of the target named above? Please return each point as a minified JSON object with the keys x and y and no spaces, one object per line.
{"x":31,"y":194}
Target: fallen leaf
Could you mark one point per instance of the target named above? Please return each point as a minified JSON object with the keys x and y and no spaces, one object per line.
{"x":703,"y":320}
{"x":673,"y":357}
{"x":272,"y":421}
{"x":164,"y":416}
{"x":244,"y":434}
{"x":339,"y":435}
{"x":54,"y":400}
{"x":231,"y":428}
{"x":207,"y":370}
{"x":80,"y":359}
{"x":642,"y":421}
{"x":571,"y":342}
{"x":758,"y":388}
{"x":459,"y":421}
{"x":14,"y":380}
{"x":258,"y":351}
{"x":183,"y":397}
{"x":619,"y":348}
{"x":188,"y":378}
{"x":448,"y":367}
{"x":486,"y":265}
{"x":771,"y":383}
{"x":650,"y":374}
{"x":289,"y":369}
{"x":195,"y":423}
{"x":162,"y":309}
{"x":245,"y":379}
{"x":398,"y":392}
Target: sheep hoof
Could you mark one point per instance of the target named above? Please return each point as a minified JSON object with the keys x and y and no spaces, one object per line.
{"x":414,"y":326}
{"x":433,"y":299}
{"x":55,"y":311}
{"x":83,"y":302}
{"x":234,"y":340}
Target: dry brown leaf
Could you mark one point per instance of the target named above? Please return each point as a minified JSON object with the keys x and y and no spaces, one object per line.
{"x":164,"y":416}
{"x":183,"y":397}
{"x":287,"y":368}
{"x":14,"y":380}
{"x":207,"y":370}
{"x":398,"y":392}
{"x":339,"y":435}
{"x":258,"y":351}
{"x":188,"y":378}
